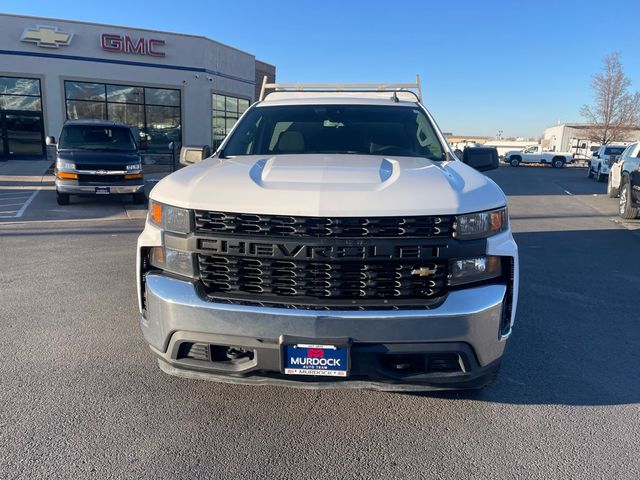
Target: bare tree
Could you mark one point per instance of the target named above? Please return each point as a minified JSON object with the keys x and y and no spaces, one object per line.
{"x":616,"y":111}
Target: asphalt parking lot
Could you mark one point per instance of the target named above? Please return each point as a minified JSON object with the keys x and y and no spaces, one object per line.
{"x":82,"y":396}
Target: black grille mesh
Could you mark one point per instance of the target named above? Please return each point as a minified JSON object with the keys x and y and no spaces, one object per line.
{"x":208,"y":223}
{"x":108,"y":179}
{"x":292,"y":280}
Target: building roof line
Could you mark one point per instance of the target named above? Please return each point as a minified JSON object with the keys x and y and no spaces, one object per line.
{"x":585,"y":125}
{"x":164,"y":32}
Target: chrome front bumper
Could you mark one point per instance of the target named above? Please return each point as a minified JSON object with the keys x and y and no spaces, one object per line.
{"x":73,"y":188}
{"x":175,"y":313}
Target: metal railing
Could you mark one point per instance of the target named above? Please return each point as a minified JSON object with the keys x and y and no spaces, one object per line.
{"x":342,"y":87}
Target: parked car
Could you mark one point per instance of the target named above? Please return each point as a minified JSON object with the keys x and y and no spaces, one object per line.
{"x":615,"y":171}
{"x":96,"y":157}
{"x":331,"y":242}
{"x":624,"y":181}
{"x":536,"y":154}
{"x":602,"y":160}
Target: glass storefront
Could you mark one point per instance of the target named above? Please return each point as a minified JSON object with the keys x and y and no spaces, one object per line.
{"x":226,"y":111}
{"x":154,"y":111}
{"x":21,"y":125}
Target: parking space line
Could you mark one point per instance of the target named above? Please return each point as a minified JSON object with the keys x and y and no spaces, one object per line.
{"x":17,"y":212}
{"x":27,"y":203}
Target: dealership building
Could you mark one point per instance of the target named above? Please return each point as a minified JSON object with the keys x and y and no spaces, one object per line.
{"x":172,"y":87}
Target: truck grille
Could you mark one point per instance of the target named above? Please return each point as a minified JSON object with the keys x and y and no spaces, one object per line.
{"x":101,"y":166}
{"x":210,"y":223}
{"x":311,"y":284}
{"x":107,"y":179}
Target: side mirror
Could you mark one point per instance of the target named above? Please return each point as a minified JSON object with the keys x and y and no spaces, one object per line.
{"x":191,"y":155}
{"x":481,"y":158}
{"x":50,"y":140}
{"x":171,"y":146}
{"x":595,"y":155}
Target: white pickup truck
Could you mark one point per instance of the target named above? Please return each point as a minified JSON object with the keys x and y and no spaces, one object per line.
{"x":334,"y":240}
{"x":536,"y":154}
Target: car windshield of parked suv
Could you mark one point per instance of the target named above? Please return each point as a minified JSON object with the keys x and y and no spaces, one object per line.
{"x":614,"y":150}
{"x":335,"y":129}
{"x":93,"y":137}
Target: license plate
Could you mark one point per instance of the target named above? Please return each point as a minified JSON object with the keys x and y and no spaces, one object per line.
{"x":324,"y":360}
{"x":103,"y":190}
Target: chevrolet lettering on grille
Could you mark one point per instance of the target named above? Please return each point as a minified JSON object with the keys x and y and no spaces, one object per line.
{"x":291,"y":250}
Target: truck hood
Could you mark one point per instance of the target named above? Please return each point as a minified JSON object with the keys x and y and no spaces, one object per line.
{"x":330,"y":185}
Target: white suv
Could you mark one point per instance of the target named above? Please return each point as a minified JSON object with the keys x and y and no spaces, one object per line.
{"x":332,"y":241}
{"x":602,"y":160}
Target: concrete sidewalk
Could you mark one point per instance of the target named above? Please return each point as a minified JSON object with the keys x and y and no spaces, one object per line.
{"x":20,"y":174}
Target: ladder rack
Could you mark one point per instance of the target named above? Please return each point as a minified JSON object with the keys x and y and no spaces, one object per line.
{"x":343,"y":87}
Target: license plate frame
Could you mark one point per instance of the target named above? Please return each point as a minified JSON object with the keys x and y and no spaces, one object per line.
{"x":103,"y":190}
{"x":316,"y":359}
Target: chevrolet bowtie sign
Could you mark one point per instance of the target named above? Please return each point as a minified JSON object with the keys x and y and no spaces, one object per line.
{"x":46,"y":36}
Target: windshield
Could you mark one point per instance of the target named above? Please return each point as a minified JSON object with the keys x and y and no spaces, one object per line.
{"x":342,"y":129}
{"x":614,"y":150}
{"x":86,"y":137}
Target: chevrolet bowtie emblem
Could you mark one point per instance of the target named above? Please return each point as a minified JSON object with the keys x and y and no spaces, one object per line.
{"x":46,"y":36}
{"x":424,"y":271}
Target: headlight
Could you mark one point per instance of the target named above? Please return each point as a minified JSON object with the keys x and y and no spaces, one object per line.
{"x":65,"y":165}
{"x":470,"y":270}
{"x":480,"y":225}
{"x":174,"y":261}
{"x":134,"y":167}
{"x":171,"y":219}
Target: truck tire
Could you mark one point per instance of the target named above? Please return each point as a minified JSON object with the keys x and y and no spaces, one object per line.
{"x":515,"y":161}
{"x":626,"y":210}
{"x":600,"y":176}
{"x":557,"y":162}
{"x":612,"y":192}
{"x":589,"y":171}
{"x":62,"y":198}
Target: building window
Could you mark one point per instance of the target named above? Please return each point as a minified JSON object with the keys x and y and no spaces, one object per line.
{"x":226,"y":111}
{"x":21,"y":125}
{"x":154,"y":111}
{"x":20,"y":94}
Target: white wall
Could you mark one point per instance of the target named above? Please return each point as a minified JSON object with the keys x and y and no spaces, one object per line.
{"x":237,"y":68}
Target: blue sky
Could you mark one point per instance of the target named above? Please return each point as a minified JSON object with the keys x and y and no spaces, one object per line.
{"x":486,"y":66}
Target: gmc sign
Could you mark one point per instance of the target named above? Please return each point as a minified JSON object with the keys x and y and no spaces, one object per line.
{"x":125,"y":44}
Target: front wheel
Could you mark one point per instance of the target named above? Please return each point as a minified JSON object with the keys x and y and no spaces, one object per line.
{"x":626,"y":210}
{"x":514,"y":162}
{"x":557,"y":162}
{"x":62,"y":198}
{"x":589,"y":171}
{"x":612,"y":192}
{"x":599,"y":176}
